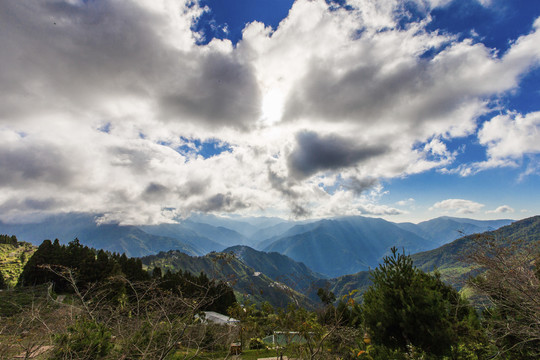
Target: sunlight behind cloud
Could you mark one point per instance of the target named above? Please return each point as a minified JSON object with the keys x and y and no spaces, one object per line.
{"x":314,"y":115}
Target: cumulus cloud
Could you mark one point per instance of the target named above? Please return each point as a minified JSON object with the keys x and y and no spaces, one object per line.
{"x":459,"y":206}
{"x":510,"y":136}
{"x":98,"y":98}
{"x":501,"y":210}
{"x":219,"y":90}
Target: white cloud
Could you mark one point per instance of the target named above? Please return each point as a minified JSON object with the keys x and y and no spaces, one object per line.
{"x":508,"y":138}
{"x":511,"y":136}
{"x":442,"y":3}
{"x":501,"y":210}
{"x":374,"y":107}
{"x":407,"y":202}
{"x":459,"y":206}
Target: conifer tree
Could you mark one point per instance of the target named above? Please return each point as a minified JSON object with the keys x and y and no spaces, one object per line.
{"x":406,"y":306}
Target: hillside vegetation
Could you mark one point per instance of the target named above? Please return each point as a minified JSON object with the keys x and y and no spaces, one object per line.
{"x":248,"y":283}
{"x":76,"y":302}
{"x":13,"y":256}
{"x":451,"y":260}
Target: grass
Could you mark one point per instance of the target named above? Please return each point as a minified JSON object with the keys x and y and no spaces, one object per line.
{"x":13,"y":301}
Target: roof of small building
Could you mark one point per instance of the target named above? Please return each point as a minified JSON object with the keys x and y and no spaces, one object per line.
{"x":218,"y":318}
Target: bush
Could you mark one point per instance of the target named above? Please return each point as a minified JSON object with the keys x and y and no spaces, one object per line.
{"x":256,"y":344}
{"x":85,"y":339}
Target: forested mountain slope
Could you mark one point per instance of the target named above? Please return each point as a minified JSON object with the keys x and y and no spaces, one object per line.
{"x":247,"y":282}
{"x":277,"y":266}
{"x":451,"y":259}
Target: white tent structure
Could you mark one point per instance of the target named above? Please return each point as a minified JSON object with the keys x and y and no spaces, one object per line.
{"x":217,"y":318}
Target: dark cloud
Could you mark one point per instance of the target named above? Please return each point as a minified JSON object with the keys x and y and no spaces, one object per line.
{"x":32,"y":205}
{"x":137,"y":160}
{"x":285,"y":187}
{"x":361,"y":93}
{"x":193,"y":187}
{"x":221,"y":91}
{"x":155,"y":191}
{"x":315,"y":153}
{"x":86,"y":52}
{"x":282,"y":184}
{"x":411,"y":94}
{"x":359,"y":185}
{"x":220,"y":202}
{"x":26,"y":163}
{"x":90,"y":53}
{"x":299,"y":211}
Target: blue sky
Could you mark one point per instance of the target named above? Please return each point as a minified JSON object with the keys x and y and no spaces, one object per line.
{"x":149,"y":110}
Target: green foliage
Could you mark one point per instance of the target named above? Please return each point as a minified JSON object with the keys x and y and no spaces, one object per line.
{"x":15,"y":300}
{"x":256,"y":343}
{"x":149,"y":337}
{"x":511,"y":283}
{"x":86,"y":339}
{"x":220,"y":296}
{"x":8,"y":240}
{"x":3,"y":284}
{"x":90,"y":265}
{"x":327,"y":297}
{"x":277,"y":266}
{"x":347,"y":313}
{"x":227,"y":268}
{"x":13,"y":256}
{"x":379,"y":352}
{"x":407,"y":307}
{"x":451,"y":259}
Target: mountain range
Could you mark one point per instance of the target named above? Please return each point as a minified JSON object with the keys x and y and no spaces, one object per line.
{"x":330,"y":247}
{"x":266,"y":275}
{"x":271,"y":267}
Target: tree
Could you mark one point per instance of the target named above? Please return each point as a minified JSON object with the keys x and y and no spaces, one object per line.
{"x":327,"y":297}
{"x":3,"y":284}
{"x":510,"y":286}
{"x":405,"y":306}
{"x":90,"y":265}
{"x":9,"y":240}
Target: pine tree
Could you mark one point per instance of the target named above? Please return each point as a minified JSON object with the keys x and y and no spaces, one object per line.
{"x":406,"y":306}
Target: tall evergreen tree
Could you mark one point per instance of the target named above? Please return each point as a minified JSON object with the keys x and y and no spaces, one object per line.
{"x":10,"y":240}
{"x":406,"y":306}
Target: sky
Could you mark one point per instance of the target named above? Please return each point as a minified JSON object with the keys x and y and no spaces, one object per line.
{"x":146,"y":111}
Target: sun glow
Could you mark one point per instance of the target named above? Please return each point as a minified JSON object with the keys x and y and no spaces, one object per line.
{"x":272,"y":106}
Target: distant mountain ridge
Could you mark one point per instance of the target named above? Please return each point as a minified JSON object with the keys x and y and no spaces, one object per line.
{"x":345,"y":245}
{"x":444,"y":229}
{"x":332,"y":247}
{"x":112,"y":237}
